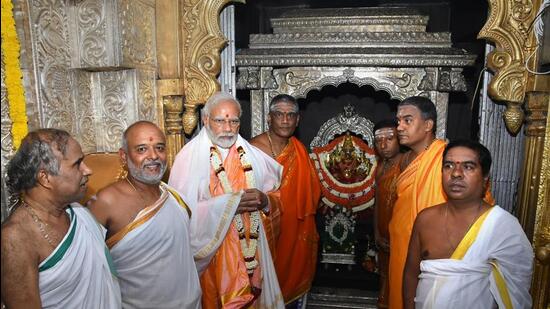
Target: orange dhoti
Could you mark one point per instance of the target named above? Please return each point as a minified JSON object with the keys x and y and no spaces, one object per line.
{"x":296,"y":254}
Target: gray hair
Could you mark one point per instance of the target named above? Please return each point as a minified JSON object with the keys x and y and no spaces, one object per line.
{"x":283,"y":98}
{"x":216,"y":99}
{"x":35,"y":153}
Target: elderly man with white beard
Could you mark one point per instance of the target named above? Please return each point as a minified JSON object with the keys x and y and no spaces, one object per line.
{"x":147,"y":226}
{"x":223,"y":176}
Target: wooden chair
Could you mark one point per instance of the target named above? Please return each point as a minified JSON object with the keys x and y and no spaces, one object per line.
{"x":106,"y":169}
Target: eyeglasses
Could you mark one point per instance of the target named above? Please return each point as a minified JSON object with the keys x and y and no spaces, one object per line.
{"x":280,"y":115}
{"x":221,"y":122}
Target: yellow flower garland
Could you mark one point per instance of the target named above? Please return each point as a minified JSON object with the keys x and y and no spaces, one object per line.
{"x":13,"y":78}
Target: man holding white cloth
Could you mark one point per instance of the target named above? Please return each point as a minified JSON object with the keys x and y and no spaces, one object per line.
{"x":223,"y":176}
{"x":466,"y":253}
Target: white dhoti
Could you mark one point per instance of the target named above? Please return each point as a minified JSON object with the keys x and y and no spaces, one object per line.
{"x":78,"y":274}
{"x":491,"y":266}
{"x":153,"y":257}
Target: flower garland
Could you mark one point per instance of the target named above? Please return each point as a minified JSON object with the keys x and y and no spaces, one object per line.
{"x":248,"y":248}
{"x":13,"y":75}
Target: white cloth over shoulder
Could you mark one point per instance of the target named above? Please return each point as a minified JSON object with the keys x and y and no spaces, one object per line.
{"x":78,"y":274}
{"x":500,"y":251}
{"x":212,"y":216}
{"x":154,"y":260}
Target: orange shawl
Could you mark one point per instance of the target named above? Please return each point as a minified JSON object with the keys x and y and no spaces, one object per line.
{"x":418,"y":187}
{"x":297,"y":246}
{"x":225,"y":282}
{"x":385,"y":198}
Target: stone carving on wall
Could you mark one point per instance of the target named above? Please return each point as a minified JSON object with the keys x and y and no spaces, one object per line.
{"x":85,"y":112}
{"x":91,"y":34}
{"x":7,"y":141}
{"x":116,"y":93}
{"x":95,"y":66}
{"x":385,"y":48}
{"x":146,"y":96}
{"x":51,"y":51}
{"x":399,"y":83}
{"x":137,"y":24}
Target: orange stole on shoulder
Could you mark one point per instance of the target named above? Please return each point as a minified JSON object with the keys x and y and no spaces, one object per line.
{"x":225,"y":282}
{"x":419,"y":186}
{"x":300,"y":191}
{"x":386,"y":193}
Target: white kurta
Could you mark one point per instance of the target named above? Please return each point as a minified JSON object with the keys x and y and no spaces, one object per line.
{"x":154,"y":260}
{"x":78,"y":274}
{"x":212,"y":216}
{"x":498,"y":263}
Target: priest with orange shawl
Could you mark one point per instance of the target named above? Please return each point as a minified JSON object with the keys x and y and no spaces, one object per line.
{"x":221,"y":175}
{"x":296,"y":250}
{"x":418,"y":186}
{"x":387,"y":172}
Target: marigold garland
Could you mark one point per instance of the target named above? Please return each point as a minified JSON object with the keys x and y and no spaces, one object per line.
{"x":13,"y":76}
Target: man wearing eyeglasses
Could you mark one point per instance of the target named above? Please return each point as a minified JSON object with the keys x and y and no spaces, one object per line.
{"x":223,"y":176}
{"x":296,"y":250}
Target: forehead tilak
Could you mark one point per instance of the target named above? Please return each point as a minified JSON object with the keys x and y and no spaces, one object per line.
{"x":384,"y":132}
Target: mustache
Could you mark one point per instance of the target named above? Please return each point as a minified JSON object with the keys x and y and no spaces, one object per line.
{"x":226,"y":135}
{"x":457,"y":183}
{"x":148,"y":163}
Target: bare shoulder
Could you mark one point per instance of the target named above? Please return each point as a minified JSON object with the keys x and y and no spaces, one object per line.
{"x":428,"y":215}
{"x":20,"y":260}
{"x":16,"y":240}
{"x":261,"y":141}
{"x":105,"y":202}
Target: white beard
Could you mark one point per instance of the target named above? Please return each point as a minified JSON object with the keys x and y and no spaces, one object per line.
{"x":224,"y":141}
